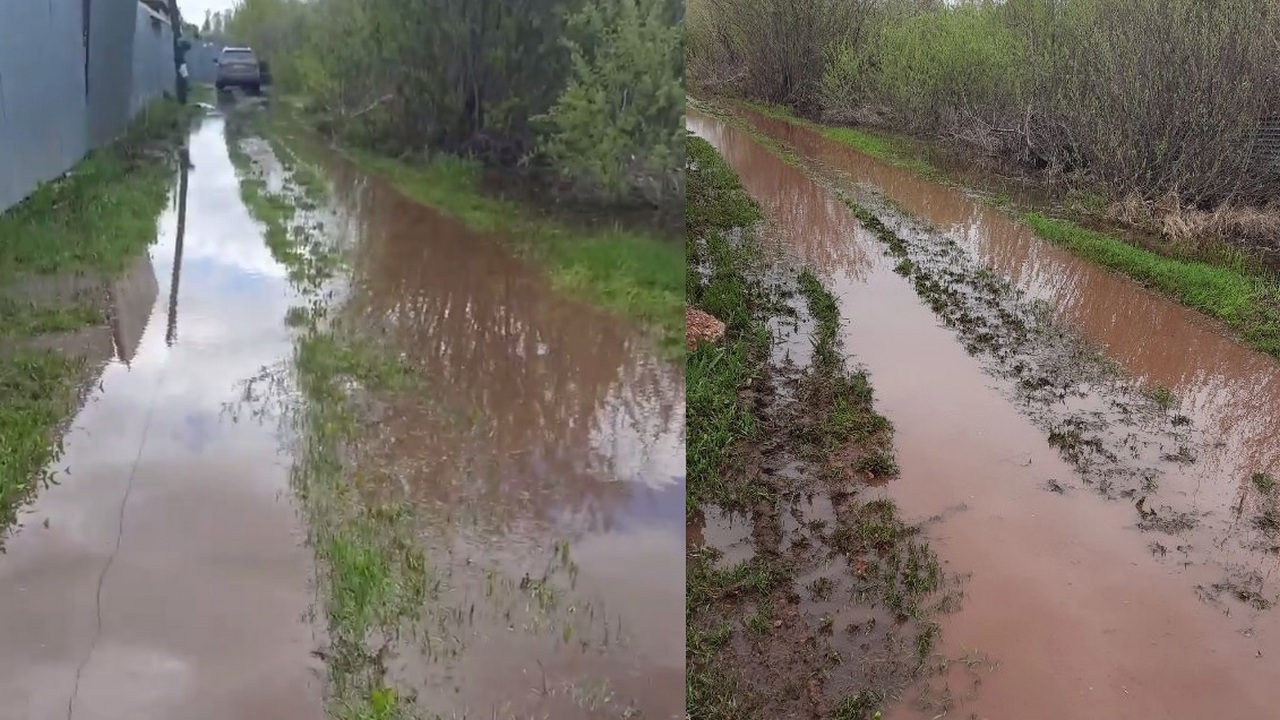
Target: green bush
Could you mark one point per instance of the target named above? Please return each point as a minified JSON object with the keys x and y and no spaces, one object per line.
{"x":940,"y":67}
{"x":619,"y":122}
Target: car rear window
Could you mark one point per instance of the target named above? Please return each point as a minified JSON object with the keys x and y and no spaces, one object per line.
{"x":238,"y":57}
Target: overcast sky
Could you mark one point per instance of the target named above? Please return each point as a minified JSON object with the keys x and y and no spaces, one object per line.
{"x":193,"y":10}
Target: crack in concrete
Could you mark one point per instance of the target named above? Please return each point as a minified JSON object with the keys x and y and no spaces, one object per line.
{"x":106,"y":567}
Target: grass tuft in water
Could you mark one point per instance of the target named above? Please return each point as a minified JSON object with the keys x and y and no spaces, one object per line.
{"x":824,"y":418}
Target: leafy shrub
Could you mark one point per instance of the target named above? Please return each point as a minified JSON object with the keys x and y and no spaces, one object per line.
{"x":619,"y":122}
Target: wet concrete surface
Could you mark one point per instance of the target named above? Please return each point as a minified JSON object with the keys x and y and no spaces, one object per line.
{"x":546,"y":451}
{"x":1081,"y":614}
{"x":165,"y":576}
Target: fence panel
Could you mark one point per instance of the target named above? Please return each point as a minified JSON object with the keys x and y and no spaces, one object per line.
{"x":153,"y":71}
{"x":51,"y":115}
{"x":42,"y":104}
{"x":111,"y":29}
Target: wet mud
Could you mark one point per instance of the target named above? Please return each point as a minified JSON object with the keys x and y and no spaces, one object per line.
{"x":543,"y":460}
{"x":1096,"y":459}
{"x":808,"y":595}
{"x":164,"y":574}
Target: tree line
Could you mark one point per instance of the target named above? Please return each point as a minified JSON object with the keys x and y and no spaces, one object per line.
{"x":590,"y":90}
{"x":1140,"y":99}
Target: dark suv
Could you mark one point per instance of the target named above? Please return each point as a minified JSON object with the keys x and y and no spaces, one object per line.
{"x":238,"y":67}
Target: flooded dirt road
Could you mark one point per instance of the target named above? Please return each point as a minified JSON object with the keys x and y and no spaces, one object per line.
{"x":544,"y":460}
{"x":540,"y":452}
{"x":1127,"y":569}
{"x":165,"y":576}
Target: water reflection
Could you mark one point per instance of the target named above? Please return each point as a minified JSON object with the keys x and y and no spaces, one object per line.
{"x":544,"y":420}
{"x":184,"y":167}
{"x":164,"y":502}
{"x":577,"y":417}
{"x":793,"y":202}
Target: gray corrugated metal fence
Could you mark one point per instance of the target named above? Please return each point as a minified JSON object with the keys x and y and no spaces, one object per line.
{"x":153,"y":71}
{"x":50,"y":113}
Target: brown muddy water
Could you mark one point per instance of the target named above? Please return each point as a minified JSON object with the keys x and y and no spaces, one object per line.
{"x":165,"y":575}
{"x":1070,"y":609}
{"x":545,"y":460}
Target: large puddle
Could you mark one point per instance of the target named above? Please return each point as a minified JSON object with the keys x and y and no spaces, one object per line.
{"x":1070,"y":610}
{"x":165,"y":576}
{"x":546,"y":457}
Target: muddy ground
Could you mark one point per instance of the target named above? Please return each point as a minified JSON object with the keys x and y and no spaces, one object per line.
{"x":808,"y":595}
{"x":1100,"y":460}
{"x":348,"y":458}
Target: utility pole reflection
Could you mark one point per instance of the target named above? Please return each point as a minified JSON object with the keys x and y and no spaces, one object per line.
{"x":171,"y":335}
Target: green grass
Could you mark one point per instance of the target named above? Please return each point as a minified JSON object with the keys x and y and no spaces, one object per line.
{"x":37,"y":392}
{"x":1248,"y":305}
{"x":892,"y":150}
{"x":633,"y":273}
{"x":19,"y":318}
{"x":714,"y":200}
{"x":719,"y":423}
{"x":732,"y":292}
{"x":830,"y":422}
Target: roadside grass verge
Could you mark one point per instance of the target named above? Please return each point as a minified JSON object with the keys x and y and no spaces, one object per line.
{"x":37,"y":393}
{"x":373,"y":575}
{"x":1249,"y":305}
{"x":724,"y":279}
{"x":1221,"y":285}
{"x":92,"y":220}
{"x":723,"y":271}
{"x":895,"y":151}
{"x":631,"y":272}
{"x":24,"y":319}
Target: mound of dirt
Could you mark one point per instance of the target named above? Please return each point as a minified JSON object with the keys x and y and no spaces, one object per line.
{"x":700,"y":327}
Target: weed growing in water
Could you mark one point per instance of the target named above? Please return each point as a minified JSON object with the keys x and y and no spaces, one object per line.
{"x":1163,"y":397}
{"x":819,"y":426}
{"x":877,"y":464}
{"x":862,"y":706}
